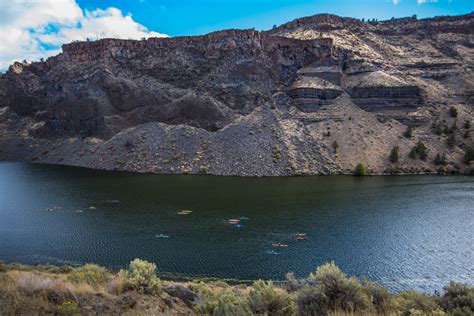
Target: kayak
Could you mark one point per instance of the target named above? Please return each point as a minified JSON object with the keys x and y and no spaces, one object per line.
{"x":243,"y":218}
{"x":184,"y":212}
{"x":280,"y":245}
{"x":162,"y":236}
{"x":300,"y":238}
{"x":234,"y":221}
{"x":273,"y":252}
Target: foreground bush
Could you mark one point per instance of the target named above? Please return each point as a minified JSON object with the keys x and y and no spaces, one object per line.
{"x":91,"y":274}
{"x":414,"y":303}
{"x":342,"y":293}
{"x":141,"y":276}
{"x":312,"y":301}
{"x":232,"y":305}
{"x":458,"y":299}
{"x":265,"y":299}
{"x":379,"y":296}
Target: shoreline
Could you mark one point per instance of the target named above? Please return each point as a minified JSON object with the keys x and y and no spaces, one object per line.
{"x":135,"y":172}
{"x":138,"y":289}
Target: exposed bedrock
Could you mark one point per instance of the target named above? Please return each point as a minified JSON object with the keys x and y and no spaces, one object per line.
{"x":379,"y":98}
{"x":99,"y":88}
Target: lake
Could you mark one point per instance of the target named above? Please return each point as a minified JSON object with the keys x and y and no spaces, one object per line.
{"x":404,"y":231}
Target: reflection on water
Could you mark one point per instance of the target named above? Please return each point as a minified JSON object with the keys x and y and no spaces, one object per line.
{"x":406,"y":231}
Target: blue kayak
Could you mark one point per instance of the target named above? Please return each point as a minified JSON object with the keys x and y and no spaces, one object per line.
{"x":273,"y":252}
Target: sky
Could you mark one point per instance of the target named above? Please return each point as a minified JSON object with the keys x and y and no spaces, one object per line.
{"x":34,"y":29}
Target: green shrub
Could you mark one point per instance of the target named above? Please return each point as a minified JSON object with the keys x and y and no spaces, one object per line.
{"x":451,"y":140}
{"x":90,"y":273}
{"x":209,"y":297}
{"x":141,"y":276}
{"x":412,"y":153}
{"x":467,"y":124}
{"x":292,"y":284}
{"x":3,"y":267}
{"x":68,"y":308}
{"x":360,"y":170}
{"x":395,"y":154}
{"x":408,"y":132}
{"x":419,"y":150}
{"x":265,"y":299}
{"x":437,"y":128}
{"x":276,"y":153}
{"x":413,"y":303}
{"x":379,"y":295}
{"x":231,"y":305}
{"x":312,"y":301}
{"x":441,"y":160}
{"x":469,"y":155}
{"x":453,"y":111}
{"x":454,"y":127}
{"x":342,"y":292}
{"x":335,"y":146}
{"x":458,"y":299}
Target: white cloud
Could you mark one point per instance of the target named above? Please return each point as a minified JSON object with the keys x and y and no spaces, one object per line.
{"x":395,"y":2}
{"x":32,"y":29}
{"x":425,"y":1}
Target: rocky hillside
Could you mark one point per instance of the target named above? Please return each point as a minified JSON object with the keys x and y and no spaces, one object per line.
{"x":317,"y":95}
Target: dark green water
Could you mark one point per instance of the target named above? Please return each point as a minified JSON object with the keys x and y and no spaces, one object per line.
{"x":407,"y":231}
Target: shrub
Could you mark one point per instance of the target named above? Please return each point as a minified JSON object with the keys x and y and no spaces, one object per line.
{"x":90,"y":273}
{"x":231,"y":305}
{"x":265,"y":299}
{"x":413,"y":303}
{"x":32,"y":283}
{"x":292,"y":284}
{"x":451,"y":140}
{"x":441,"y":160}
{"x":412,"y":153}
{"x":209,"y":297}
{"x":469,"y":155}
{"x":379,"y":295}
{"x":438,"y":128}
{"x":203,"y":169}
{"x":360,"y":170}
{"x":419,"y":150}
{"x":276,"y":153}
{"x":3,"y":267}
{"x":408,"y":132}
{"x":335,"y":146}
{"x":454,"y":127}
{"x":116,"y":285}
{"x":68,"y":308}
{"x":395,"y":154}
{"x":342,"y":292}
{"x":141,"y":276}
{"x":312,"y":301}
{"x":453,"y":111}
{"x":458,"y":299}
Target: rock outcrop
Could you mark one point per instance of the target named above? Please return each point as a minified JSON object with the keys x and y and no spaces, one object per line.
{"x":313,"y":96}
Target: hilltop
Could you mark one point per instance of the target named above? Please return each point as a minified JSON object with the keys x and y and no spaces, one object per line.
{"x":317,"y":95}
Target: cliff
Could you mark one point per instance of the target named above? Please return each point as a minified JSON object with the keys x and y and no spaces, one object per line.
{"x":314,"y":96}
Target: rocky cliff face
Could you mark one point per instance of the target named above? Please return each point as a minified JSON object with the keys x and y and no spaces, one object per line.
{"x":313,"y":96}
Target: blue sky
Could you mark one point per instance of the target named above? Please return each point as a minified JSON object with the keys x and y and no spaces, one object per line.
{"x":34,"y":29}
{"x":192,"y":17}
